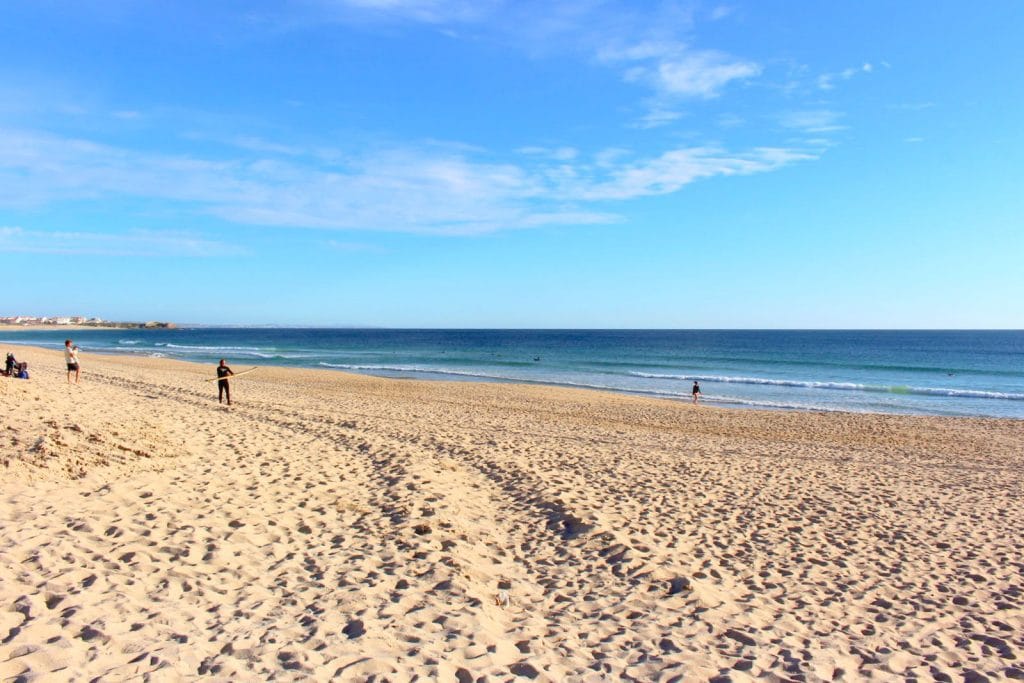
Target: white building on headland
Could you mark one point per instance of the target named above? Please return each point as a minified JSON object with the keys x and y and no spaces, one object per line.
{"x":45,"y":320}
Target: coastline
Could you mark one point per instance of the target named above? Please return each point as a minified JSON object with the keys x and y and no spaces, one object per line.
{"x":52,"y":328}
{"x":847,"y":395}
{"x":332,"y":524}
{"x":35,"y":327}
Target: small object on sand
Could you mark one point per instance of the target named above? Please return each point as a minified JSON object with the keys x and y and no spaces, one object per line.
{"x":502,"y":599}
{"x":230,"y":377}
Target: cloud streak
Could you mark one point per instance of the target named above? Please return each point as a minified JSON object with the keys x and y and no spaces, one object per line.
{"x":813,"y":121}
{"x":675,"y":169}
{"x":647,"y":43}
{"x":827,"y":81}
{"x":675,"y":71}
{"x":428,"y":190}
{"x":137,"y":243}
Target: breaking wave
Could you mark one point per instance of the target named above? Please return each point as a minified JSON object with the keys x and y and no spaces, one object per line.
{"x":841,"y":386}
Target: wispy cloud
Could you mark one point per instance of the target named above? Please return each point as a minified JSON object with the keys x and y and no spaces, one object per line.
{"x":672,"y":170}
{"x":676,"y":73}
{"x":674,"y":70}
{"x":255,"y":144}
{"x":827,"y":81}
{"x":730,"y":121}
{"x":556,"y":153}
{"x":721,"y":12}
{"x":911,"y":106}
{"x":427,"y":11}
{"x":338,"y":245}
{"x":813,"y":121}
{"x":650,"y":44}
{"x":137,"y":243}
{"x":658,"y":116}
{"x":428,"y":189}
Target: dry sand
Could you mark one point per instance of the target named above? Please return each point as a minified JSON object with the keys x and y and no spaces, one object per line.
{"x":337,"y":526}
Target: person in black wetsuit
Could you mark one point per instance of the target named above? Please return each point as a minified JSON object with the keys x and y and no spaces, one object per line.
{"x":696,"y":391}
{"x":223,"y":389}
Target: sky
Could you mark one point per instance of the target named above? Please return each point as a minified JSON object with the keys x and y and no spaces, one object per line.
{"x":419,"y":163}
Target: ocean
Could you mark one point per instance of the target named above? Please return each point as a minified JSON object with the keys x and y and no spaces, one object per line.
{"x":977,"y":373}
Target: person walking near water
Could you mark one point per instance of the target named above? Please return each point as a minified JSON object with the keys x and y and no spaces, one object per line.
{"x":71,"y":359}
{"x":696,"y":391}
{"x":223,"y":389}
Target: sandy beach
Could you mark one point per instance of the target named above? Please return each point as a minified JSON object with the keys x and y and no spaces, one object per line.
{"x":333,"y":526}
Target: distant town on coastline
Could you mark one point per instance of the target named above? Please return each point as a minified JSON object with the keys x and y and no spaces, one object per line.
{"x":79,"y":320}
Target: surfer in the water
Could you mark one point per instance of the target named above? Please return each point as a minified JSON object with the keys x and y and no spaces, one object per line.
{"x":696,"y":391}
{"x":223,"y":389}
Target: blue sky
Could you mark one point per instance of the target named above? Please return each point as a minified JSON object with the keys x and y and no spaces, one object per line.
{"x":515,"y":164}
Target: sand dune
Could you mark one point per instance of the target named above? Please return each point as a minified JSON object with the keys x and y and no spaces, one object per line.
{"x":337,"y":526}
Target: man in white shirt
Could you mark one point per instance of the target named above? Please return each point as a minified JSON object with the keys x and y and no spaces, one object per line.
{"x":71,"y":358}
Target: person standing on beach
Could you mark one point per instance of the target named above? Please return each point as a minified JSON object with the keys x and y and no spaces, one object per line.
{"x":696,"y":391}
{"x":71,"y":358}
{"x":223,"y":389}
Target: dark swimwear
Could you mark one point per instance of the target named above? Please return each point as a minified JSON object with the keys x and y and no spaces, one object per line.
{"x":223,"y":390}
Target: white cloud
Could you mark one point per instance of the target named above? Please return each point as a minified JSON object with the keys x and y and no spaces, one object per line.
{"x":609,"y":157}
{"x":818,"y":143}
{"x":721,"y":12}
{"x":426,"y":11}
{"x":911,"y":106}
{"x":730,"y":121}
{"x":673,"y":70}
{"x":646,"y":42}
{"x":702,"y":74}
{"x":420,"y":190}
{"x":255,"y":144}
{"x":827,"y":81}
{"x":658,"y":117}
{"x":556,"y":153}
{"x":813,"y":121}
{"x":137,"y":243}
{"x":674,"y":169}
{"x":338,"y":245}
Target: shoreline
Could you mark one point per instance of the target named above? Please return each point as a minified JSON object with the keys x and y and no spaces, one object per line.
{"x":333,"y":525}
{"x":721,"y":404}
{"x":53,"y":328}
{"x":319,"y":376}
{"x":79,"y":327}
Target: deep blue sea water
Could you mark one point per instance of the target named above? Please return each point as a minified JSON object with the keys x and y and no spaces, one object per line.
{"x":925,"y":372}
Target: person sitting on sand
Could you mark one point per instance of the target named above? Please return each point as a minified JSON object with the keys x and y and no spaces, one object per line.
{"x":223,"y":390}
{"x":696,"y":391}
{"x":71,"y":358}
{"x":22,"y":371}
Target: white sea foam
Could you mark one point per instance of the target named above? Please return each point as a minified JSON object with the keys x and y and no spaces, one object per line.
{"x":842,"y":386}
{"x":251,"y":351}
{"x":776,"y":405}
{"x":192,"y":347}
{"x":422,"y":369}
{"x":582,"y":385}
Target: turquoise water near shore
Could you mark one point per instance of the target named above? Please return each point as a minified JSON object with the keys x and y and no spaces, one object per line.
{"x":924,"y":372}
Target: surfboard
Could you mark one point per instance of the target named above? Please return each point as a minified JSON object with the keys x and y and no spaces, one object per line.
{"x":237,"y":374}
